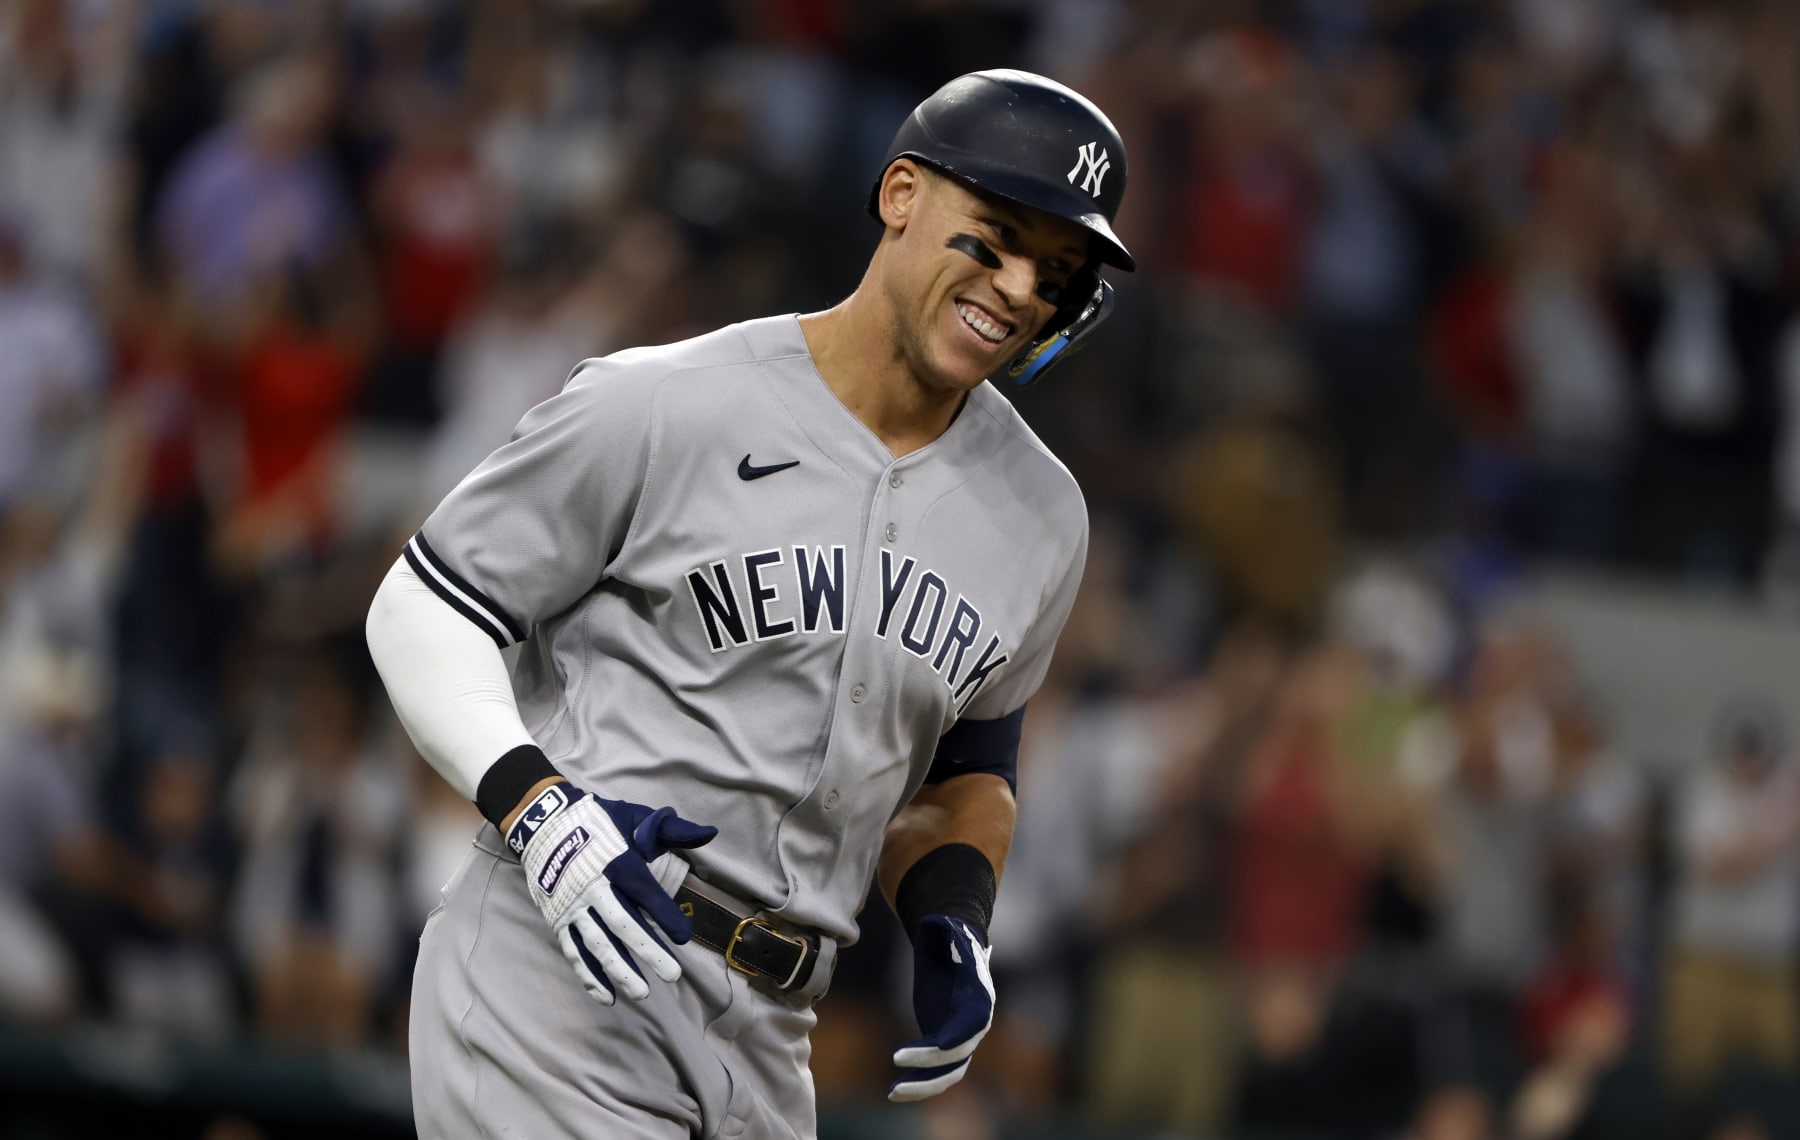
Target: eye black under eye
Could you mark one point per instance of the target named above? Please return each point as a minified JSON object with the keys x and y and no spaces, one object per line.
{"x":1052,"y":292}
{"x":976,"y":248}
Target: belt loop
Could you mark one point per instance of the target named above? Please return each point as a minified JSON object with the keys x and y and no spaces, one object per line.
{"x":810,"y":989}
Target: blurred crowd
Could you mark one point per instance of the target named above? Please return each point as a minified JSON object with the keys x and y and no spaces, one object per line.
{"x":1312,"y":844}
{"x":1389,"y":881}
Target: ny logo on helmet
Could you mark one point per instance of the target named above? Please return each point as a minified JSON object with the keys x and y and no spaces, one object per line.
{"x":1092,"y":163}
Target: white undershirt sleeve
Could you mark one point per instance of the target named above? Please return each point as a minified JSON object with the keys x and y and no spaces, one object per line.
{"x":446,"y":679}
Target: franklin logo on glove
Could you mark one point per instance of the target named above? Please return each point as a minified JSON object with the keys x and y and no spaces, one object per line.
{"x":560,"y":857}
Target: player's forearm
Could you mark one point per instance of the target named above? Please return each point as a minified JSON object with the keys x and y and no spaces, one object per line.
{"x":446,"y":679}
{"x":977,"y":809}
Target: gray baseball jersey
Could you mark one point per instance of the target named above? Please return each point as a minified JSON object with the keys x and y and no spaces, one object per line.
{"x":736,"y":601}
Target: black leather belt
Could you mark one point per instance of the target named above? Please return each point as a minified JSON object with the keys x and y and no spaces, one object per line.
{"x":749,"y":944}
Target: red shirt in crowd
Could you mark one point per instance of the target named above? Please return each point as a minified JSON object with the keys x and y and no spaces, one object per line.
{"x":296,"y":393}
{"x":439,"y":220}
{"x":1298,"y":893}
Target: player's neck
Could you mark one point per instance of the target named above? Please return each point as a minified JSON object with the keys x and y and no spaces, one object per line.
{"x":852,"y":347}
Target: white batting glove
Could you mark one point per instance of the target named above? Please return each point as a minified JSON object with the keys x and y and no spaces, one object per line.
{"x":587,"y":861}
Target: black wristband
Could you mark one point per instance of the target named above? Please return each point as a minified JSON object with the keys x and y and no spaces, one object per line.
{"x":954,"y":880}
{"x":505,"y":783}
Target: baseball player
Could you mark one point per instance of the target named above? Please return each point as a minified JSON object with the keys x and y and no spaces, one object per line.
{"x":779,"y":595}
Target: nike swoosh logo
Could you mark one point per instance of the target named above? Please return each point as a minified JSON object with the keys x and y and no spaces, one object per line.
{"x":746,"y":472}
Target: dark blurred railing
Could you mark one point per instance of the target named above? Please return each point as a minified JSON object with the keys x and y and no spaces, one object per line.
{"x":91,"y":1079}
{"x":97,"y":1081}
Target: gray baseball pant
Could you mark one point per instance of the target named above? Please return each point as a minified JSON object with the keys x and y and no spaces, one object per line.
{"x":505,"y":1043}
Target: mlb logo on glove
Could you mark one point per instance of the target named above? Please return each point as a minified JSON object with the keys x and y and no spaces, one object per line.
{"x":542,"y":811}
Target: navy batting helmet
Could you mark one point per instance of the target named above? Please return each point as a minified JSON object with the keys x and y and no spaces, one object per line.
{"x":1026,"y":138}
{"x":1040,"y":144}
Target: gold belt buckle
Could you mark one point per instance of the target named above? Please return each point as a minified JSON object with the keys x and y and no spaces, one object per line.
{"x":762,"y":924}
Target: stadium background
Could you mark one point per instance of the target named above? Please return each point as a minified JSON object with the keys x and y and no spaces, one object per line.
{"x":1418,"y":761}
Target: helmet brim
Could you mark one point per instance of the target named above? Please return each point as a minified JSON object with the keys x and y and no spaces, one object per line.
{"x":1026,"y":191}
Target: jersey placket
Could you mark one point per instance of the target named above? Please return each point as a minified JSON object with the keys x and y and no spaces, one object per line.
{"x":867,"y":759}
{"x":876,"y":742}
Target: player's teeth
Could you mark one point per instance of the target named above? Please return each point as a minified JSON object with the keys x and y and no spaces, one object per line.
{"x":987,"y":329}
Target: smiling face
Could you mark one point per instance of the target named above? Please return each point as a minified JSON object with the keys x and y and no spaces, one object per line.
{"x":971,"y":277}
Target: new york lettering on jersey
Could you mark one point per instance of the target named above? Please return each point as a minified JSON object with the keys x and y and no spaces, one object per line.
{"x":739,"y":602}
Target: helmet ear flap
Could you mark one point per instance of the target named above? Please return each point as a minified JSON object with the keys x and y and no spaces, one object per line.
{"x":1090,"y":303}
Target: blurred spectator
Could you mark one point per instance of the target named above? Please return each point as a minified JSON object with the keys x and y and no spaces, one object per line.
{"x":1092,"y":703}
{"x":1487,"y":766}
{"x":1397,"y":621}
{"x":52,"y":839}
{"x":1602,"y":837}
{"x":1729,"y":986}
{"x":168,"y":967}
{"x":1254,"y":494}
{"x":1246,"y":205}
{"x":256,"y":196}
{"x":436,"y":222}
{"x":298,"y":370}
{"x":62,"y":869}
{"x":49,"y":374}
{"x":402,"y":88}
{"x":1166,"y":1020}
{"x":549,"y":152}
{"x":317,"y":817}
{"x":175,"y":98}
{"x":784,"y":77}
{"x":1365,"y":266}
{"x":541,"y":315}
{"x":52,"y":619}
{"x":1299,"y":858}
{"x":63,"y":72}
{"x":59,"y":554}
{"x":1302,"y":860}
{"x":1575,"y":1021}
{"x":1705,"y":313}
{"x":1575,"y":380}
{"x":1400,"y":630}
{"x":169,"y":620}
{"x":1491,"y":764}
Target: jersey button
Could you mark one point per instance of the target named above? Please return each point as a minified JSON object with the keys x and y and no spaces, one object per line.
{"x":893,"y":532}
{"x":831,"y":800}
{"x":895,"y":480}
{"x":857,"y":693}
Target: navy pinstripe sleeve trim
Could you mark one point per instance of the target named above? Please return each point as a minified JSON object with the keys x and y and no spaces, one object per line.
{"x":465,"y":609}
{"x":495,"y":613}
{"x":990,"y":746}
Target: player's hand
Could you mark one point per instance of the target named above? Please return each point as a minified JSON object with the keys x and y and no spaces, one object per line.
{"x":587,"y":861}
{"x":953,"y":998}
